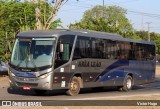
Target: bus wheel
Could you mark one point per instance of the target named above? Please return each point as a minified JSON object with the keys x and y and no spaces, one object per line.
{"x":74,"y":86}
{"x":127,"y":84}
{"x":40,"y":92}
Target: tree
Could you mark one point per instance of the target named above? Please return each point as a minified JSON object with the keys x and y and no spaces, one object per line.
{"x":16,"y":17}
{"x":46,"y":22}
{"x":108,"y":19}
{"x":158,"y":46}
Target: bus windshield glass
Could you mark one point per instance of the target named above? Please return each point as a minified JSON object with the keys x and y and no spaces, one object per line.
{"x":33,"y":52}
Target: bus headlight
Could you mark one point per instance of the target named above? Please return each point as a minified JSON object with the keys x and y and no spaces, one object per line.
{"x":44,"y":75}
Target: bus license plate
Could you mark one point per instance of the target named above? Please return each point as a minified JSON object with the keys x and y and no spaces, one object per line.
{"x":26,"y":87}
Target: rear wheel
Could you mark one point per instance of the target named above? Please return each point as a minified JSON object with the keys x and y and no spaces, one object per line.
{"x":74,"y":86}
{"x":40,"y":92}
{"x":128,"y":83}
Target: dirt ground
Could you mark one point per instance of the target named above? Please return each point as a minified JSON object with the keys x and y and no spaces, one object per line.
{"x":151,"y":97}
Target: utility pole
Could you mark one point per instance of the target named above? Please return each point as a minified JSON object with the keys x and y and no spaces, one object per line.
{"x":142,"y":21}
{"x":103,"y":8}
{"x":103,"y":15}
{"x":149,"y":39}
{"x":103,"y":3}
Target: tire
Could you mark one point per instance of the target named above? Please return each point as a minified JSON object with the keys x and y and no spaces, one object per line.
{"x":74,"y":86}
{"x":40,"y":92}
{"x":128,"y":83}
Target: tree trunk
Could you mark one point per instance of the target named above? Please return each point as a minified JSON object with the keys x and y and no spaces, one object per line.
{"x":38,"y":19}
{"x":47,"y":21}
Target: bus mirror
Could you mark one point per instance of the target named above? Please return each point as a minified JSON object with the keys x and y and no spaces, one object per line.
{"x":61,"y":47}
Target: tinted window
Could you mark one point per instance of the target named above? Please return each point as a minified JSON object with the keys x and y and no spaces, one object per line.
{"x":87,"y":47}
{"x":63,"y":51}
{"x":82,"y":48}
{"x":95,"y":48}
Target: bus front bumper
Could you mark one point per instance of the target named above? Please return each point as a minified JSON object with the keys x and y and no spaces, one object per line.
{"x":32,"y":83}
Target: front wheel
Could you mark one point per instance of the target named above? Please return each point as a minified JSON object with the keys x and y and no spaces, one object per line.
{"x":74,"y":86}
{"x":128,"y":83}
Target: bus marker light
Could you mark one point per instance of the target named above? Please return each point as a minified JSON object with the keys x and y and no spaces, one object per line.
{"x":56,"y":77}
{"x":26,"y":87}
{"x":73,"y":66}
{"x":62,"y":70}
{"x":63,"y":83}
{"x":91,"y":77}
{"x":63,"y":77}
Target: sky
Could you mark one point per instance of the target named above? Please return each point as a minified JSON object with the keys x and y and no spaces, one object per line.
{"x":139,"y":12}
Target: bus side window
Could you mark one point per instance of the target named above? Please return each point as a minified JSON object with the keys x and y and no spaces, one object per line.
{"x":150,"y":52}
{"x":93,"y":48}
{"x":82,"y":48}
{"x":63,"y":51}
{"x":77,"y":50}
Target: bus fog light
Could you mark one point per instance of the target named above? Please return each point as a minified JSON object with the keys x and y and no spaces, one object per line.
{"x":43,"y":76}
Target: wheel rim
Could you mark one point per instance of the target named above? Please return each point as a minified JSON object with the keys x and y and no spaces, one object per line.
{"x":74,"y":86}
{"x":129,"y":83}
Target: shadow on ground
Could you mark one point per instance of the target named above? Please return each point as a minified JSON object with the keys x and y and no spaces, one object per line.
{"x":20,"y":91}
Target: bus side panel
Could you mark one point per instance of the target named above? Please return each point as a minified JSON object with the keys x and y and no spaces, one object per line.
{"x":109,"y":73}
{"x":90,"y":69}
{"x":150,"y":67}
{"x":143,"y":71}
{"x":62,"y":76}
{"x":114,"y":74}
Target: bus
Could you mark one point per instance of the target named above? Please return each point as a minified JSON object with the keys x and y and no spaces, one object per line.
{"x":74,"y":59}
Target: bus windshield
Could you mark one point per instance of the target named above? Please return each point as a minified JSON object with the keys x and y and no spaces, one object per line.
{"x":33,"y":52}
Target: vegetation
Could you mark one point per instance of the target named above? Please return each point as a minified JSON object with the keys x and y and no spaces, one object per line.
{"x":108,"y":19}
{"x":155,"y":37}
{"x":17,"y":16}
{"x":112,"y":19}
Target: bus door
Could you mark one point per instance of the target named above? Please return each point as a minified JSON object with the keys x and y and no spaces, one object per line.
{"x":62,"y":72}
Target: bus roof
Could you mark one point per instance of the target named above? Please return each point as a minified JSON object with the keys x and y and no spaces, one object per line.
{"x":87,"y":33}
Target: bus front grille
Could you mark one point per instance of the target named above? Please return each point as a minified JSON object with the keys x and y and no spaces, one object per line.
{"x":27,"y":84}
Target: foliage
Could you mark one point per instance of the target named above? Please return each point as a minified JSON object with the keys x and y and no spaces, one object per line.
{"x":158,"y":46}
{"x":45,"y":13}
{"x":108,"y":19}
{"x":18,"y":16}
{"x":144,"y":35}
{"x":155,"y":37}
{"x":112,"y":19}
